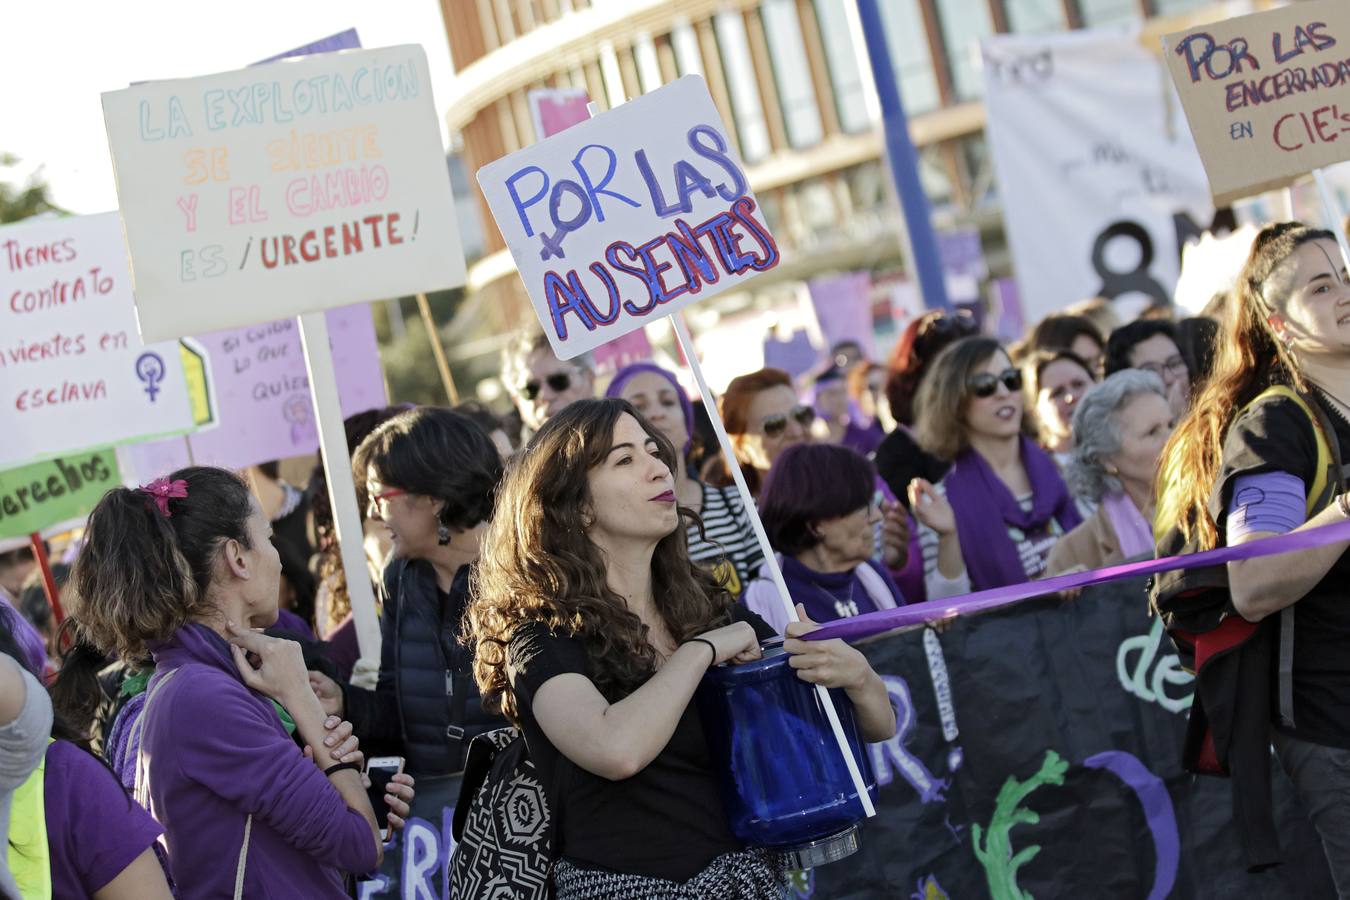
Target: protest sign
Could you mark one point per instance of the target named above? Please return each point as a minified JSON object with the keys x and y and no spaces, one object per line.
{"x":556,"y":109}
{"x":286,"y":188}
{"x":842,"y":304}
{"x":1100,"y":182}
{"x":74,"y":375}
{"x":262,"y":393}
{"x":628,"y":216}
{"x":36,"y":496}
{"x":1267,"y":95}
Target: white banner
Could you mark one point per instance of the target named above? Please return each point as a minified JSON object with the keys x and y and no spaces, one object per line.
{"x":1100,"y":181}
{"x":73,"y":373}
{"x":284,"y":188}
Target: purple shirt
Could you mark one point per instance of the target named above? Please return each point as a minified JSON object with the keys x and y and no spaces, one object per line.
{"x":217,"y":753}
{"x":94,"y":830}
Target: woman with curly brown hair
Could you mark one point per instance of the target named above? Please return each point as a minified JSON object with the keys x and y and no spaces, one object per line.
{"x":594,"y":628}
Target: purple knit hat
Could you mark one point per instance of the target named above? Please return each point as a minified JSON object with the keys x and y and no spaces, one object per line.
{"x":629,"y":372}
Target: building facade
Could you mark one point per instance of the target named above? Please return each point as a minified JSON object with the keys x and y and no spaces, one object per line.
{"x":792,"y":82}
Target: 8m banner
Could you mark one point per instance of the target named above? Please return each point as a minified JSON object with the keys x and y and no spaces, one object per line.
{"x":1100,"y":180}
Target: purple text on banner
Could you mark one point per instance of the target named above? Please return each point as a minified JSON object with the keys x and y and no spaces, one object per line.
{"x":843,"y":306}
{"x":263,"y":401}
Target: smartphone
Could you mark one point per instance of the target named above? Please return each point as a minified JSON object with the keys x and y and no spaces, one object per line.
{"x":380,"y":770}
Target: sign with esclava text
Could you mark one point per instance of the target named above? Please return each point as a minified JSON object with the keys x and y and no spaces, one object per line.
{"x":74,"y":374}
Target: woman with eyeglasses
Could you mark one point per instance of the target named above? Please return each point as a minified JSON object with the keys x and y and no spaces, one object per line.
{"x":1000,"y":509}
{"x":1056,"y":380}
{"x":1153,"y":346}
{"x":430,"y":476}
{"x":824,"y":538}
{"x":764,"y":417}
{"x":726,"y":541}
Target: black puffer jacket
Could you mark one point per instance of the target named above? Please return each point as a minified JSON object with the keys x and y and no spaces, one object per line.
{"x":424,"y":672}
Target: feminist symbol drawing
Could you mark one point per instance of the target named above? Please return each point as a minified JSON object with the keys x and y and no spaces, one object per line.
{"x":150,"y":369}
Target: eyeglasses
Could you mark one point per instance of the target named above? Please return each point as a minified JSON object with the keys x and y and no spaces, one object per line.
{"x":1175,"y":365}
{"x":376,"y":505}
{"x":776,"y":424}
{"x":557,"y":382}
{"x":985,"y":384}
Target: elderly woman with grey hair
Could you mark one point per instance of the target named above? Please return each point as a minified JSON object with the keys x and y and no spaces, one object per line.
{"x":1119,"y":428}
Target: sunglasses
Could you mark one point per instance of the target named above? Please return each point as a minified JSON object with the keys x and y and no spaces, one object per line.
{"x":557,"y":382}
{"x":985,"y":384}
{"x":960,"y":323}
{"x":376,"y":505}
{"x":776,"y":424}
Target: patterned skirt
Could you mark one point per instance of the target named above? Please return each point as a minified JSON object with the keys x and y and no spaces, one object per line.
{"x":753,"y":874}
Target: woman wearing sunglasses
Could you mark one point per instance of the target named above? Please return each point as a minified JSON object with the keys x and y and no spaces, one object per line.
{"x":763,"y":417}
{"x":1000,"y":509}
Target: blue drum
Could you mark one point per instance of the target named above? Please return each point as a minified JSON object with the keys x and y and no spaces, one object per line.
{"x":784,"y":783}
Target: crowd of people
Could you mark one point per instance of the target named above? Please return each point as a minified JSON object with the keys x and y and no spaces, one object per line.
{"x":574,"y":568}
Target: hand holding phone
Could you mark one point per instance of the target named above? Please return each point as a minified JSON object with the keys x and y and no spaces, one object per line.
{"x":380,"y":772}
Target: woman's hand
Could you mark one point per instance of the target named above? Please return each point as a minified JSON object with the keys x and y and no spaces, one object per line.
{"x":339,"y":745}
{"x":894,"y":536}
{"x":328,"y":691}
{"x":280,"y":668}
{"x":931,"y":508}
{"x":399,"y":796}
{"x":736,"y":642}
{"x":833,"y":664}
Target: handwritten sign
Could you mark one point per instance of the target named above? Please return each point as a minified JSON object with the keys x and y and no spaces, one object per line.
{"x":284,"y":188}
{"x":73,"y":373}
{"x":36,"y":496}
{"x":1267,"y":95}
{"x":628,"y":216}
{"x":262,"y":393}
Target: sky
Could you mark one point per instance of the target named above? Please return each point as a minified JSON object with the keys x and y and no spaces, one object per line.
{"x":59,"y":55}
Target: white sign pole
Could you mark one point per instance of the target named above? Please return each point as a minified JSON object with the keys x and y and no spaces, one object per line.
{"x":341,"y":487}
{"x":686,"y":342}
{"x":1332,"y":211}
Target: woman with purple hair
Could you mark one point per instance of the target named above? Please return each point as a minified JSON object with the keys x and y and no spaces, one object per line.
{"x":726,"y":539}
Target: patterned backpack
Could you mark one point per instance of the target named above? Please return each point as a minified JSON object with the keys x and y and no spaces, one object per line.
{"x":504,"y":823}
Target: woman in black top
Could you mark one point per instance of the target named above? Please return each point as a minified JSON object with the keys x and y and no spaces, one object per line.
{"x":1245,"y":465}
{"x":594,"y":629}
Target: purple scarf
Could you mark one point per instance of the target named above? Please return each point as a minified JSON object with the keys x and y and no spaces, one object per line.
{"x":975,"y":493}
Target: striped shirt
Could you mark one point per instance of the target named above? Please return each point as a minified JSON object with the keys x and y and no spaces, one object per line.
{"x":730,"y":538}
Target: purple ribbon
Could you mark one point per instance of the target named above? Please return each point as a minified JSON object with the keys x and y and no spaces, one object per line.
{"x":871,"y":624}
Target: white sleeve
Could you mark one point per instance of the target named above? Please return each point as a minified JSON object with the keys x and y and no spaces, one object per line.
{"x":937,"y":585}
{"x":23,"y":742}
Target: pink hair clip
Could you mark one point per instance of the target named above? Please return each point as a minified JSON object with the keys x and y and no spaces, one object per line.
{"x":161,"y":489}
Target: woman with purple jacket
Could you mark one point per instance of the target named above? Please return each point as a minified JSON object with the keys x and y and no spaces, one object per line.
{"x":185,"y":569}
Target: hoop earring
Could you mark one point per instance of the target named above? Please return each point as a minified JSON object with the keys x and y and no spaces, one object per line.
{"x":442,"y":533}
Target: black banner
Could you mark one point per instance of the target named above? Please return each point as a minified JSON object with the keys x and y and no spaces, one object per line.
{"x":1039,"y":756}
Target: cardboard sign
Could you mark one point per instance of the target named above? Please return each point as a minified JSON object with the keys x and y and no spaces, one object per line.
{"x":628,"y":216}
{"x":262,"y":393}
{"x":286,"y":188}
{"x":73,"y":373}
{"x":34,"y":497}
{"x":1267,"y":95}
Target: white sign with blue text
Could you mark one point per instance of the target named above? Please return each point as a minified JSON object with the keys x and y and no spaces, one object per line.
{"x":629,"y":216}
